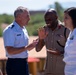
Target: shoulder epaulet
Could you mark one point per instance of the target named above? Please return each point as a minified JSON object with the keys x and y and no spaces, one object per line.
{"x":11,"y":26}
{"x":60,"y":26}
{"x":64,"y":31}
{"x":44,"y":26}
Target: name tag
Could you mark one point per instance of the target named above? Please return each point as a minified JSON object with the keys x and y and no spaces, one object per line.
{"x":18,"y":34}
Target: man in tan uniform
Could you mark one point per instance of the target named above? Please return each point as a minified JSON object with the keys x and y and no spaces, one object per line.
{"x":53,"y":35}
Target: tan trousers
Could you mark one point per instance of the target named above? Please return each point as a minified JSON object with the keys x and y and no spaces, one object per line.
{"x":1,"y":72}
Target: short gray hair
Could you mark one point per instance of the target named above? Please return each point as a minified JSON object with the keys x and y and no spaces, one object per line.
{"x":19,"y":10}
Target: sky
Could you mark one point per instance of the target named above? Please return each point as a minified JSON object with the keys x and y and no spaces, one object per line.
{"x":8,"y":6}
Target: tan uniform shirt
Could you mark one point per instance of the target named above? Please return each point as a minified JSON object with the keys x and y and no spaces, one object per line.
{"x":54,"y":64}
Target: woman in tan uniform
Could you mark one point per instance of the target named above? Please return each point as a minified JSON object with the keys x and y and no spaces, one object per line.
{"x":53,"y":35}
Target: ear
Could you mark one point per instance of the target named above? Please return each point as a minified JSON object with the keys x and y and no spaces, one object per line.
{"x":19,"y":17}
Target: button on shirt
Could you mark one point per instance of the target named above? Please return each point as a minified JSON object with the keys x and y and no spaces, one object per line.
{"x":70,"y":49}
{"x":16,"y":37}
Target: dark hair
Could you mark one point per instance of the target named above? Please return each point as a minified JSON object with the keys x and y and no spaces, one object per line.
{"x":50,"y":11}
{"x":72,"y":13}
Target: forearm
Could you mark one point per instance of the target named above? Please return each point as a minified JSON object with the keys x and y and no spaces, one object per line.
{"x":40,"y":45}
{"x":55,"y":51}
{"x":13,"y":50}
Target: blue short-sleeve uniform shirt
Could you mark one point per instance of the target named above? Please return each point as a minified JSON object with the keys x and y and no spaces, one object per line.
{"x":16,"y":37}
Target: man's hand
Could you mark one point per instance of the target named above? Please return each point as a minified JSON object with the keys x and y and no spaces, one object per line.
{"x":32,"y":45}
{"x":53,"y":51}
{"x":42,"y":33}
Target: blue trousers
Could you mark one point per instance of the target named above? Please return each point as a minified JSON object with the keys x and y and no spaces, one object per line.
{"x":17,"y":66}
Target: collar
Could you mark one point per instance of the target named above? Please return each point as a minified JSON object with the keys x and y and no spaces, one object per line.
{"x":58,"y":27}
{"x":17,"y":26}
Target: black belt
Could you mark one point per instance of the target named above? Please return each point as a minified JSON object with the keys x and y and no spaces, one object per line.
{"x":17,"y":58}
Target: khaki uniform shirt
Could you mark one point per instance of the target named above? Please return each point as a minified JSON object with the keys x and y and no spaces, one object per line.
{"x":54,"y":64}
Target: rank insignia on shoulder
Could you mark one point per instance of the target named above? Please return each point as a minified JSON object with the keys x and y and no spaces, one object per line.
{"x":72,"y":37}
{"x":12,"y":26}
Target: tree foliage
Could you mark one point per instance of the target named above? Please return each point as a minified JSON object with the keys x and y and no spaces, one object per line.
{"x":59,"y":10}
{"x":37,"y":20}
{"x":4,"y":18}
{"x":57,"y":6}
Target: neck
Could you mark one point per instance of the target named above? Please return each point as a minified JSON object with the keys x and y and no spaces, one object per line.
{"x":71,"y":28}
{"x":19,"y":23}
{"x":54,"y":26}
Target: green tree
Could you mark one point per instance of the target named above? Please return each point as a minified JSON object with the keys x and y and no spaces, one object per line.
{"x":59,"y":10}
{"x":57,"y":6}
{"x":5,"y":18}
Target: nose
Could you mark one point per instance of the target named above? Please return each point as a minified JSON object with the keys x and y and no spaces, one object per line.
{"x":28,"y":18}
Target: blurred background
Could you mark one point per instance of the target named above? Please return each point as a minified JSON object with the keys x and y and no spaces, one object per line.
{"x":37,"y":9}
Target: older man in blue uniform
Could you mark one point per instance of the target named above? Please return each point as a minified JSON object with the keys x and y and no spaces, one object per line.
{"x":16,"y":39}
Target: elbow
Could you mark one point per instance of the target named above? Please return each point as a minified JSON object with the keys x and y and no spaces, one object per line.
{"x":37,"y":49}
